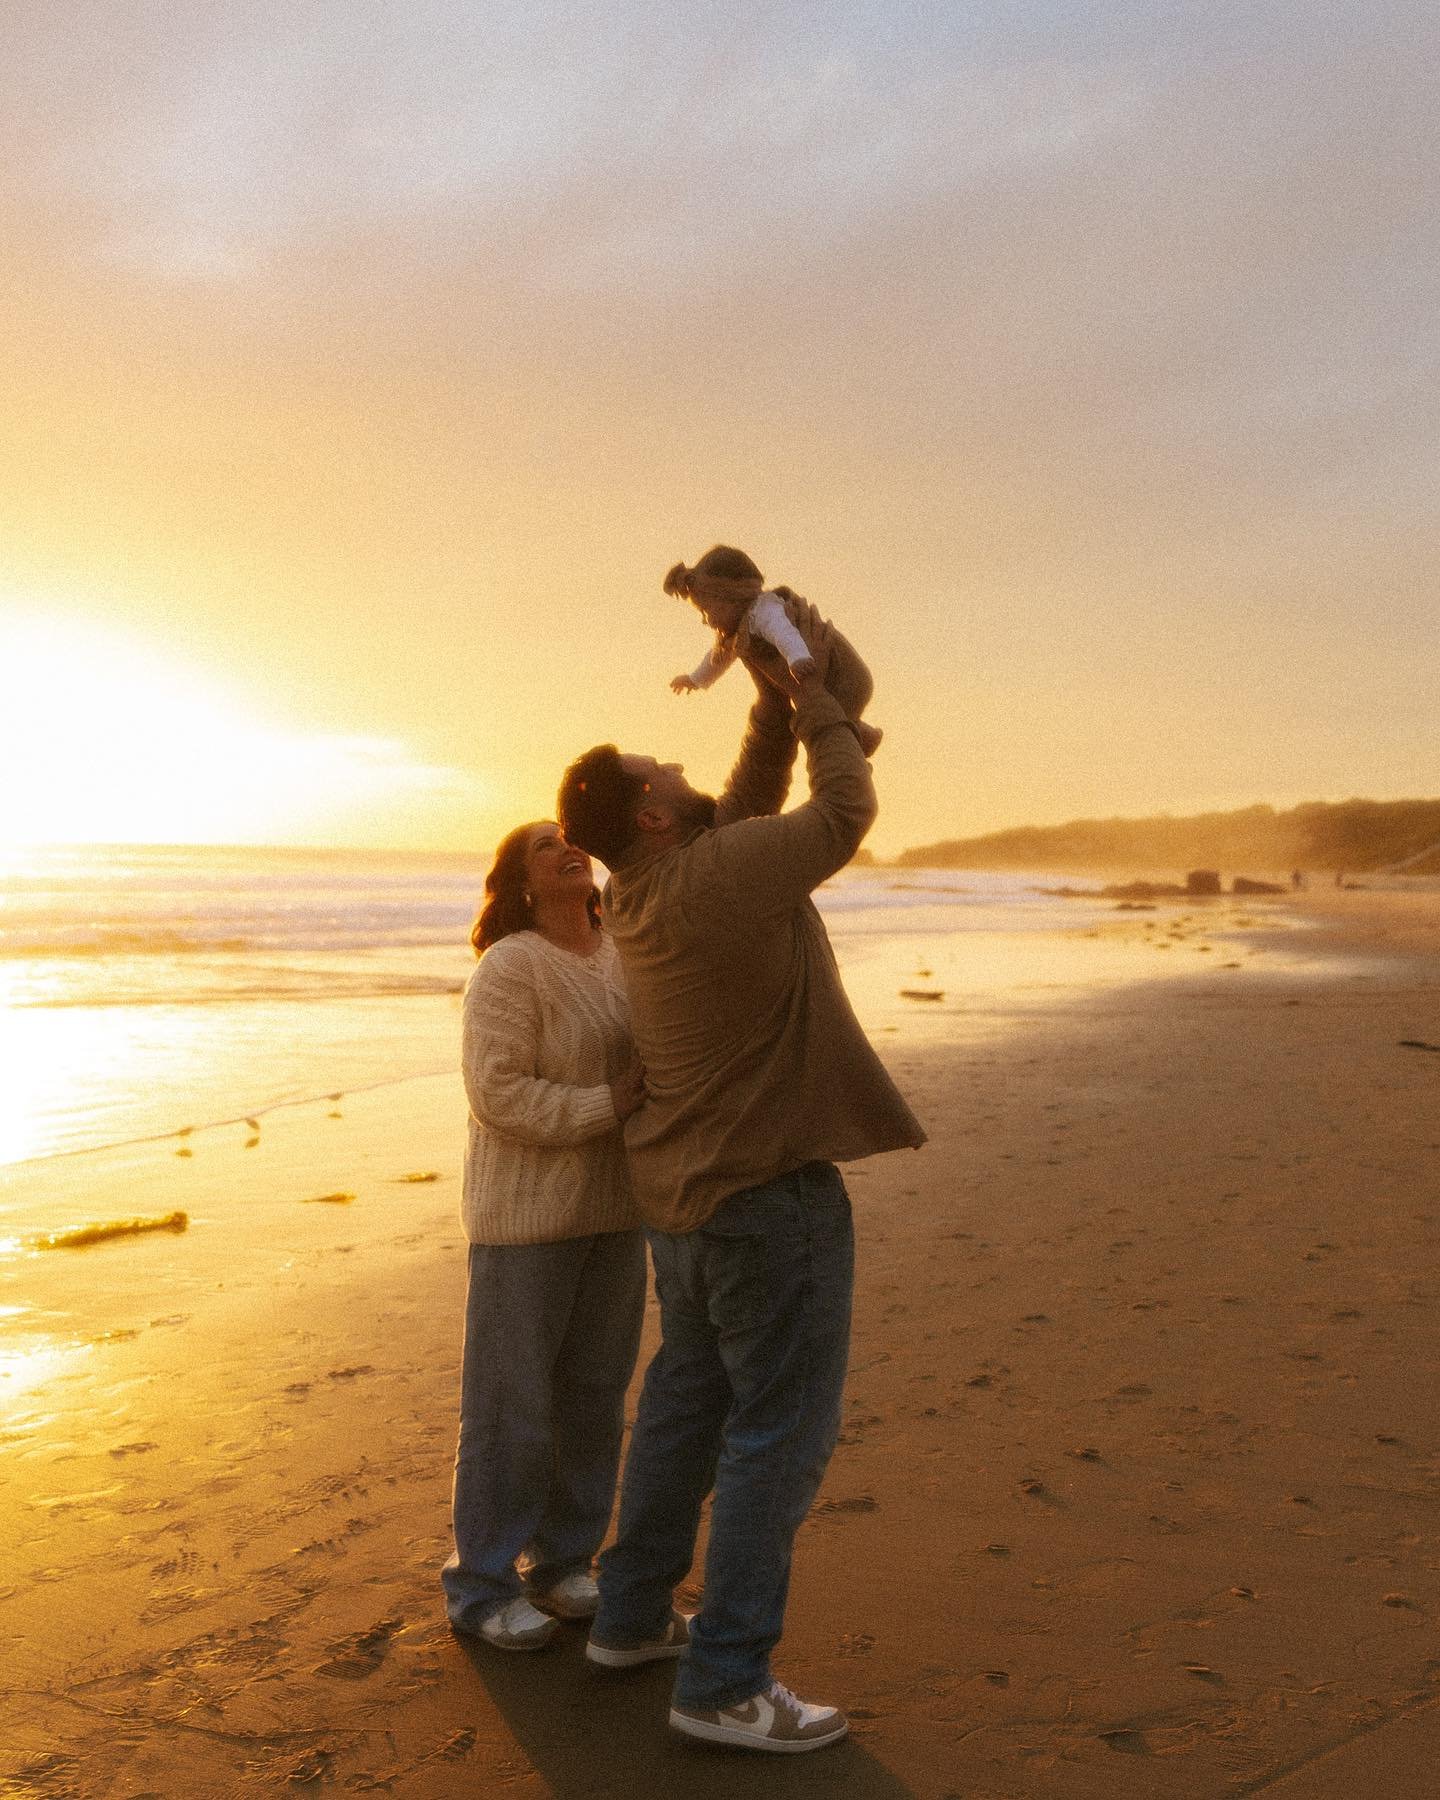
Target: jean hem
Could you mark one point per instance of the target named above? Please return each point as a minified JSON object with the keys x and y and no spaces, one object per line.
{"x":732,"y":1696}
{"x":630,"y":1640}
{"x":554,"y":1573}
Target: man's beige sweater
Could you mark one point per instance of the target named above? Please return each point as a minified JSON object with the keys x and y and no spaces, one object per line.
{"x":545,"y":1033}
{"x":754,"y":1062}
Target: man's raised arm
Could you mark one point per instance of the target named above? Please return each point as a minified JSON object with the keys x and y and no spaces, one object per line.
{"x":767,"y":863}
{"x":760,"y":780}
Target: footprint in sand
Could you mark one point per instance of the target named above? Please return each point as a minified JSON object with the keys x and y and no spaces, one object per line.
{"x":177,"y":1566}
{"x":314,"y":1766}
{"x":361,"y":1654}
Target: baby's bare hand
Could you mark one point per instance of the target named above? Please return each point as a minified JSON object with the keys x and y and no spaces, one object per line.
{"x":682,"y":684}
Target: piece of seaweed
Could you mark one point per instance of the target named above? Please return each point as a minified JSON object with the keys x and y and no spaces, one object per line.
{"x":83,"y":1235}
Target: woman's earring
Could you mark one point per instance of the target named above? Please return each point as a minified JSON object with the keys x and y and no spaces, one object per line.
{"x":528,"y":898}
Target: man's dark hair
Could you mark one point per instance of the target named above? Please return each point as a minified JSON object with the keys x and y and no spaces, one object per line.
{"x":597,"y":803}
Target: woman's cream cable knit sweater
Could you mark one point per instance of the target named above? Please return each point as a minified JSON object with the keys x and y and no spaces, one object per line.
{"x":545,"y":1034}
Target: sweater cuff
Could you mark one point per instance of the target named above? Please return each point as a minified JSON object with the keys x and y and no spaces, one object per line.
{"x":595,"y":1111}
{"x":815,"y":712}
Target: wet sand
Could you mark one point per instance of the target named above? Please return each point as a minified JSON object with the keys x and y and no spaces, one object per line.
{"x":1138,"y":1492}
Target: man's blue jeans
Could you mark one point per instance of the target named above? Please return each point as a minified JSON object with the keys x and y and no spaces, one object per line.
{"x":744,"y":1396}
{"x":551,"y":1335}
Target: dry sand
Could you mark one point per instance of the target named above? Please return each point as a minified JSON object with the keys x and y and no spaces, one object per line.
{"x":1138,"y":1494}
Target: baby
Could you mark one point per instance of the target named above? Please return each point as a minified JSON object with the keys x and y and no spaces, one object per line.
{"x":759,"y":625}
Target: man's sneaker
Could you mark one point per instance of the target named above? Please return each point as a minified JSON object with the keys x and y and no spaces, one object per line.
{"x":517,"y":1626}
{"x":574,"y":1597}
{"x":774,"y":1720}
{"x":671,"y":1642}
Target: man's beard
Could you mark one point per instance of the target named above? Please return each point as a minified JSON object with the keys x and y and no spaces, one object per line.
{"x":699,"y":809}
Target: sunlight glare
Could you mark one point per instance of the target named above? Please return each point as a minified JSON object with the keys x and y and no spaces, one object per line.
{"x":106,"y":741}
{"x":41,"y":1360}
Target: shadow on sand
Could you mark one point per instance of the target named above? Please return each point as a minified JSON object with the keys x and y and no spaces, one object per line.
{"x":598,"y":1733}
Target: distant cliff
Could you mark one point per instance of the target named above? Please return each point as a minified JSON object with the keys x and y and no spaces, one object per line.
{"x":1354,"y":835}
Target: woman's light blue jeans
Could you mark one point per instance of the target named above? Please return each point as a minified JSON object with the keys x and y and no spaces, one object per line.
{"x":743,"y":1396}
{"x":551,"y":1336}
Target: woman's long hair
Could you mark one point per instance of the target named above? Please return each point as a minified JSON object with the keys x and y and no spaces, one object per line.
{"x":507,"y":905}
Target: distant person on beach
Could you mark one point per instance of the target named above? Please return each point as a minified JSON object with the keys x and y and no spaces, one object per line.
{"x":557,"y":1261}
{"x":772,"y":630}
{"x":758,"y":1080}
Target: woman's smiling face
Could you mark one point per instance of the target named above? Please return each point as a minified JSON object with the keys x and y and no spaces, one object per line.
{"x":555,"y":868}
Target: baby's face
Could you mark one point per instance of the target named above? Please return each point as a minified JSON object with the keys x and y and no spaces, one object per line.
{"x":722,"y":615}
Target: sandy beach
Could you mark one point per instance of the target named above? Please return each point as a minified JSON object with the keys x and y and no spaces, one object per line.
{"x":1138,"y":1492}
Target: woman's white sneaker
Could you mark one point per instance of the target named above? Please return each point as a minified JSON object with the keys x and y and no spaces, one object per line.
{"x":574,"y":1597}
{"x":772,"y":1720}
{"x":518,"y":1626}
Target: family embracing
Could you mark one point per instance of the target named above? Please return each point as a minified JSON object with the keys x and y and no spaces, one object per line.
{"x":680,"y":1067}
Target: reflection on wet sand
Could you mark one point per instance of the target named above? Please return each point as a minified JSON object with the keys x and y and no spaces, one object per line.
{"x":1144,"y":1349}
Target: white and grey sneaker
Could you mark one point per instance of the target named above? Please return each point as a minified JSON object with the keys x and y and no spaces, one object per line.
{"x":517,"y":1626}
{"x":673,"y":1641}
{"x":773,"y":1720}
{"x":574,"y":1597}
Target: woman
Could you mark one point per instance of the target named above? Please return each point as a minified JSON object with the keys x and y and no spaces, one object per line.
{"x":557,"y":1261}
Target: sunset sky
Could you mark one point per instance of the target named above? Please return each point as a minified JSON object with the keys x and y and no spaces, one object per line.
{"x":364,"y":366}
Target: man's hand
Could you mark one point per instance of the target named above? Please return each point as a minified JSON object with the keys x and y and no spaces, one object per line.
{"x":682,"y":684}
{"x":628,"y":1093}
{"x":803,"y":679}
{"x":771,"y":693}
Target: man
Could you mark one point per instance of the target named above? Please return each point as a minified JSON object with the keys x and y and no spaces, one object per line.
{"x":758,"y":1080}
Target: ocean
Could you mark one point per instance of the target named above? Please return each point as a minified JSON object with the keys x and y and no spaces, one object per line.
{"x":150,"y":991}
